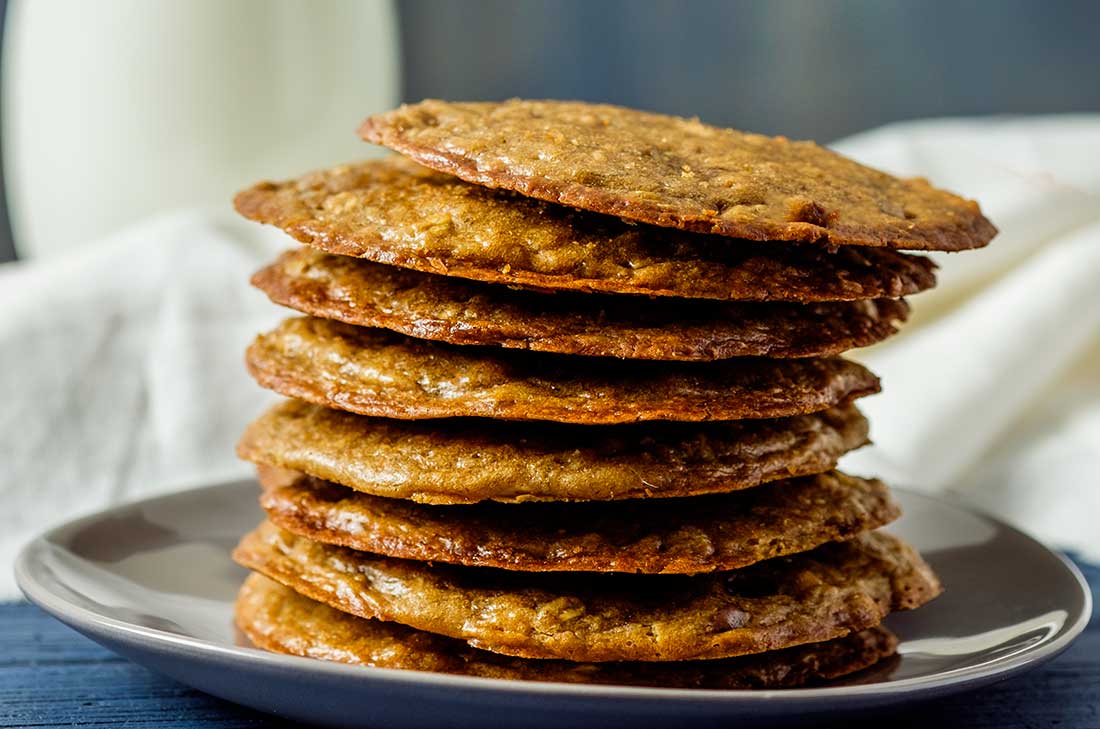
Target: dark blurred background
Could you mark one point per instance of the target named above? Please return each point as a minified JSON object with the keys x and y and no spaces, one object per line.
{"x":817,"y":69}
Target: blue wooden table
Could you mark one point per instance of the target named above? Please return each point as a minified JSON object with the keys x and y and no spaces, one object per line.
{"x":51,"y":676}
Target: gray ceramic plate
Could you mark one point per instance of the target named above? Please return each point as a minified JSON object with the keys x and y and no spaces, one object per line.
{"x":154,"y":582}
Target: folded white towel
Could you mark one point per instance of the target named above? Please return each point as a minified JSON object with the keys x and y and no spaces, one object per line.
{"x":993,"y":391}
{"x":123,"y":369}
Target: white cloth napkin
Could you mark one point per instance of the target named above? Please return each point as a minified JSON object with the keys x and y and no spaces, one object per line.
{"x":122,"y":369}
{"x":993,"y":390}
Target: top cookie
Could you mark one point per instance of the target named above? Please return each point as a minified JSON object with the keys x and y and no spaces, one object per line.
{"x":678,"y":173}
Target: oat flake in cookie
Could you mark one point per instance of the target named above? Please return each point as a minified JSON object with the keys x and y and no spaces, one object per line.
{"x":681,"y":173}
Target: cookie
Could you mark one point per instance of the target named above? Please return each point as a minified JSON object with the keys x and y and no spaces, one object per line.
{"x":458,"y":311}
{"x":278,"y":619}
{"x":667,"y":170}
{"x":675,"y":172}
{"x":395,"y":212}
{"x":380,"y":373}
{"x":667,"y":536}
{"x":827,"y":593}
{"x":461,"y":461}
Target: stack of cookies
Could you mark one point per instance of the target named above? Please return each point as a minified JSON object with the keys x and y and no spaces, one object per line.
{"x":566,"y":401}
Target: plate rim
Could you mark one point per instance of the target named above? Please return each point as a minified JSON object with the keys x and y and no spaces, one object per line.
{"x":96,"y":625}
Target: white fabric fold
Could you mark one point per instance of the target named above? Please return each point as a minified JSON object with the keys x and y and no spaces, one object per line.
{"x":122,"y":369}
{"x":952,"y":388}
{"x":992,"y":391}
{"x":123,"y":372}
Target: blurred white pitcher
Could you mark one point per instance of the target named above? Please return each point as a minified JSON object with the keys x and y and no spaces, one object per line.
{"x":118,"y":109}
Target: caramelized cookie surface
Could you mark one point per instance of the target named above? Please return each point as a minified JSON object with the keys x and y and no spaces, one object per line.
{"x":668,"y":536}
{"x":826,"y":593}
{"x":396,"y":212}
{"x":676,"y":172}
{"x":466,"y":460}
{"x":278,"y":619}
{"x":380,"y":373}
{"x":458,"y":311}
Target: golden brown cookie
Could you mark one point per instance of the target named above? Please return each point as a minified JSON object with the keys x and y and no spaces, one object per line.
{"x":380,"y":373}
{"x":650,"y":536}
{"x":396,"y":212}
{"x":676,"y":172}
{"x":827,"y":593}
{"x":461,"y":461}
{"x":458,"y":311}
{"x":278,"y":619}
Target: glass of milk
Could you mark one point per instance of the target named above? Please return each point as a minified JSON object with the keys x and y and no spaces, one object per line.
{"x":116,"y":110}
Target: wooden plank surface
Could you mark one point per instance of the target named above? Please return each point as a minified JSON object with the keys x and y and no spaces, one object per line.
{"x":51,"y":676}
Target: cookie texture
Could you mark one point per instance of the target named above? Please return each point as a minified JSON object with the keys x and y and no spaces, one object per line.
{"x":381,"y":373}
{"x":462,"y":461}
{"x":396,"y":212}
{"x":676,"y":172}
{"x":827,"y":593}
{"x":670,"y":536}
{"x":458,"y":311}
{"x":278,"y":619}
